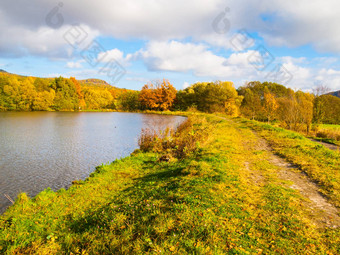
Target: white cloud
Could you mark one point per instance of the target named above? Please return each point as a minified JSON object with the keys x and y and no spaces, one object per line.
{"x":280,"y":22}
{"x":115,"y":54}
{"x":164,"y":25}
{"x":17,"y":41}
{"x":188,"y":57}
{"x":291,"y":23}
{"x":74,"y":64}
{"x":182,"y":57}
{"x":306,"y":78}
{"x":185,"y":85}
{"x":138,"y":79}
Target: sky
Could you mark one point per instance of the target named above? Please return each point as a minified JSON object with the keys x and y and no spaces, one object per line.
{"x":130,"y":43}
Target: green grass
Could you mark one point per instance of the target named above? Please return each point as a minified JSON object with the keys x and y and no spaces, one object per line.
{"x":330,"y":126}
{"x":205,"y":203}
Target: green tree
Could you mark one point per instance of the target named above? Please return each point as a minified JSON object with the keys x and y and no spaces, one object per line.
{"x":251,"y":105}
{"x":66,"y":97}
{"x":128,"y":101}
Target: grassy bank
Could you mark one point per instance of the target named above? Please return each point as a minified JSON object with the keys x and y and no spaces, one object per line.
{"x":319,"y":163}
{"x":203,"y":202}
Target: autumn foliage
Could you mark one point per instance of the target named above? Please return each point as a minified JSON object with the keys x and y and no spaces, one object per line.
{"x":157,"y":97}
{"x":274,"y":102}
{"x":265,"y":101}
{"x":210,"y":97}
{"x":20,"y":93}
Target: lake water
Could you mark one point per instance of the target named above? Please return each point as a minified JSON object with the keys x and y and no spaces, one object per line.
{"x":51,"y":149}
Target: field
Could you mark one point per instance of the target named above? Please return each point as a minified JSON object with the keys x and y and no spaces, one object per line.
{"x":248,"y":188}
{"x":329,"y":126}
{"x":328,"y":133}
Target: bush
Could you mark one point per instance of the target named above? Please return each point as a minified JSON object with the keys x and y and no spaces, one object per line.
{"x":180,"y":143}
{"x":329,"y":134}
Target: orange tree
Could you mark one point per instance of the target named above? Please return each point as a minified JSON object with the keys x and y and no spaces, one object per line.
{"x":157,"y":97}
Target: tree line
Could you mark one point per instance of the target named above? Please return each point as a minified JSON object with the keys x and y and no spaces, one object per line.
{"x":265,"y":101}
{"x":19,"y":93}
{"x":294,"y":110}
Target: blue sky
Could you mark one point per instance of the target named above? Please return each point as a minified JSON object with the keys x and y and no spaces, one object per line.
{"x":130,"y":43}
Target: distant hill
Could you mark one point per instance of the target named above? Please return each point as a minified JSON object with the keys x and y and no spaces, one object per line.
{"x":95,"y":83}
{"x":86,"y":82}
{"x":335,"y":93}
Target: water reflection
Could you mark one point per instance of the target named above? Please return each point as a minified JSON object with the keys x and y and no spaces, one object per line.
{"x":42,"y":149}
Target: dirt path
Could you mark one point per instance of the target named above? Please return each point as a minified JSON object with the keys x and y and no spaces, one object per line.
{"x":323,"y":213}
{"x":327,"y":145}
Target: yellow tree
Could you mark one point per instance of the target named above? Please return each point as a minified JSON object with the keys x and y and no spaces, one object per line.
{"x":305,"y":102}
{"x":167,"y":94}
{"x":80,"y":94}
{"x":270,"y":105}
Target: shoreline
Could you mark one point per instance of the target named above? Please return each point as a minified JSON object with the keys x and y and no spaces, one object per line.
{"x":141,"y":204}
{"x":181,"y":114}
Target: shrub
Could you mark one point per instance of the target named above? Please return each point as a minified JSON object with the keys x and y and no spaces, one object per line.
{"x":329,"y":134}
{"x":180,"y":143}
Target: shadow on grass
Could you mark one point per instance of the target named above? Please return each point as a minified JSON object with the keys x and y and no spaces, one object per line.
{"x":159,"y":186}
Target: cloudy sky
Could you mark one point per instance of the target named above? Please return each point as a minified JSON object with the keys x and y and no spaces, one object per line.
{"x":129,"y":43}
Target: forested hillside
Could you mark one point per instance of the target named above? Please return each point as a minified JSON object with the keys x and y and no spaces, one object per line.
{"x":21,"y":93}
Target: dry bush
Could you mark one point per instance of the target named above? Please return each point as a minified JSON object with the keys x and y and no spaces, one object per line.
{"x":193,"y":109}
{"x":329,"y":134}
{"x":157,"y":141}
{"x":147,"y":139}
{"x":188,"y":137}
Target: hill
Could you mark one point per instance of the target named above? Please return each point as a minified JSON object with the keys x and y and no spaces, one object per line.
{"x":96,"y":82}
{"x":335,"y":93}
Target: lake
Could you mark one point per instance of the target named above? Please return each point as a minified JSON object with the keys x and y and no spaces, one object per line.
{"x":51,"y":149}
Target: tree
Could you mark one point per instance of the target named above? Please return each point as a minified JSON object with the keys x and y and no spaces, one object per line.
{"x":128,"y":101}
{"x":27,"y":94}
{"x":305,"y":102}
{"x":66,"y":97}
{"x":157,"y":97}
{"x":270,"y":104}
{"x":327,"y":109}
{"x":211,"y":97}
{"x":43,"y":100}
{"x":319,"y":109}
{"x":251,"y":105}
{"x":82,"y":103}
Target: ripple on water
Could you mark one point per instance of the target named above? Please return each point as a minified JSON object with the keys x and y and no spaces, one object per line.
{"x":51,"y":149}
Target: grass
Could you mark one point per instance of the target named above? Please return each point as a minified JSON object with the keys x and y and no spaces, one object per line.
{"x":327,"y":133}
{"x":330,"y":126}
{"x":204,"y":203}
{"x":319,"y":163}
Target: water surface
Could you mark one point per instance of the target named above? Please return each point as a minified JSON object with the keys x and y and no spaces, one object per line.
{"x":51,"y":149}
